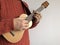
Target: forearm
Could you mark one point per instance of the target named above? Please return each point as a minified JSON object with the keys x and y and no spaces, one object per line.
{"x":6,"y":25}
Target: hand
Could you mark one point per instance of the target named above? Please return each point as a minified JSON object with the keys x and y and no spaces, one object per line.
{"x":20,"y":24}
{"x":37,"y":16}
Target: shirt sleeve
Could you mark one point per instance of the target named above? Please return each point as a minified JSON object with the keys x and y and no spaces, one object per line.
{"x":6,"y":25}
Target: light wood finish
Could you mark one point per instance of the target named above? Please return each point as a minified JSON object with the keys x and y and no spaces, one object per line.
{"x":14,"y":39}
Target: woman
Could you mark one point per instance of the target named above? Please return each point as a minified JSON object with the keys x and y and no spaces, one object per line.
{"x":10,"y":10}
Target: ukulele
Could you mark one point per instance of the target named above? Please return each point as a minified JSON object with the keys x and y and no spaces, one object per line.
{"x":15,"y":36}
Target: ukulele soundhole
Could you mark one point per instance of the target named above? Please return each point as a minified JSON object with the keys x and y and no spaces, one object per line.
{"x":12,"y":34}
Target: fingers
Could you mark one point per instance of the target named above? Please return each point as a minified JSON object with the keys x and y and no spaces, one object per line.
{"x":25,"y":22}
{"x":35,"y":12}
{"x":37,"y":16}
{"x":24,"y":25}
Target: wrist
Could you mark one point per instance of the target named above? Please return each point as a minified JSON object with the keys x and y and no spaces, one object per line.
{"x":15,"y":24}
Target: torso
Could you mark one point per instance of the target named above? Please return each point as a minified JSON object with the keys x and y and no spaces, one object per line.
{"x":12,"y":9}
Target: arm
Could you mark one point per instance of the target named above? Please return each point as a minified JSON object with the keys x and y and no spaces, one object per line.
{"x":6,"y":25}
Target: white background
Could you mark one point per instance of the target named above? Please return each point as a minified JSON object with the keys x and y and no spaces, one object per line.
{"x":47,"y":32}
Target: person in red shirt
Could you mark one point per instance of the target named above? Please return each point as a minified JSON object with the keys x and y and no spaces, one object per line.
{"x":10,"y":10}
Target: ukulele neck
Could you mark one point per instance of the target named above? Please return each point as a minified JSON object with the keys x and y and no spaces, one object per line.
{"x":30,"y":17}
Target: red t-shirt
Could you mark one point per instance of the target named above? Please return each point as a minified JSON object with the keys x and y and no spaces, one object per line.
{"x":10,"y":9}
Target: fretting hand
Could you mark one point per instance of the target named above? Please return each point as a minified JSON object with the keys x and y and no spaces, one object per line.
{"x":37,"y":16}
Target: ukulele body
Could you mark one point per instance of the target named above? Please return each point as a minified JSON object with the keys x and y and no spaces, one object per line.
{"x":17,"y":35}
